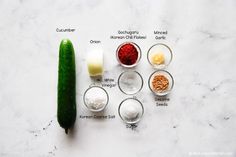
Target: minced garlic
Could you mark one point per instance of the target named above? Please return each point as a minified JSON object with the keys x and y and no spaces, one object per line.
{"x":158,"y":58}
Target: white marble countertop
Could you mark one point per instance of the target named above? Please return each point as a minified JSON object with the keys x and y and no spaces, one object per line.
{"x":200,"y":119}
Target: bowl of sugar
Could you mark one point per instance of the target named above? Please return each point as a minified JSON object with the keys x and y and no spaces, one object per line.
{"x":131,"y":110}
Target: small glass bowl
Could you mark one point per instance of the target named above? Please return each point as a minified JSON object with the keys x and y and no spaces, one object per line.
{"x":139,"y":55}
{"x":131,"y":110}
{"x":168,"y":76}
{"x":130,"y":82}
{"x":160,"y":48}
{"x":95,"y":108}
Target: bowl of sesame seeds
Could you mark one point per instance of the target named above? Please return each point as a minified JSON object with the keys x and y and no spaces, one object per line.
{"x":161,"y":82}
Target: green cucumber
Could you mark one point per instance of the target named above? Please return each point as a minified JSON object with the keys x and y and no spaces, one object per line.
{"x":66,"y":89}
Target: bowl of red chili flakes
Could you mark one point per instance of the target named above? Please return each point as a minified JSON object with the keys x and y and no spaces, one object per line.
{"x":128,"y":54}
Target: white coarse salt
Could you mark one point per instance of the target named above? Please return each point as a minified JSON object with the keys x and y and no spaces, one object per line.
{"x":96,"y":98}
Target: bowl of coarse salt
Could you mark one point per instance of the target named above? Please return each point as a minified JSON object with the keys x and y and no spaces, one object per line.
{"x":96,"y":98}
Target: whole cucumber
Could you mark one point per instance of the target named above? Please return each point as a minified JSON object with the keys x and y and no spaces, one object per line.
{"x":66,"y":96}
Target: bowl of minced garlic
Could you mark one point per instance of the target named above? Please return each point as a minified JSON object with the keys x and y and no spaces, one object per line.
{"x":161,"y":82}
{"x":159,"y":56}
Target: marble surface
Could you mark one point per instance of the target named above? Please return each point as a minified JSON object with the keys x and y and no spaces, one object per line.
{"x":200,"y":119}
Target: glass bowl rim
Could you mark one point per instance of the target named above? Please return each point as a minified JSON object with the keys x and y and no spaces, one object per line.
{"x":134,"y":122}
{"x":139,"y":54}
{"x":138,"y":74}
{"x":168,"y":91}
{"x":165,"y":65}
{"x":95,"y":86}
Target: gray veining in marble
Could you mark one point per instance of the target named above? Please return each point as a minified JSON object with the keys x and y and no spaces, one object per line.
{"x":200,"y":119}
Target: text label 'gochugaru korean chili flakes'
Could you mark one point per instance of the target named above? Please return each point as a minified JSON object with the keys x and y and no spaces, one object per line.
{"x":128,"y":54}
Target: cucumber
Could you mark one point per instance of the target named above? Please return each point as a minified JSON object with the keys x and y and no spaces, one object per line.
{"x":66,"y":89}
